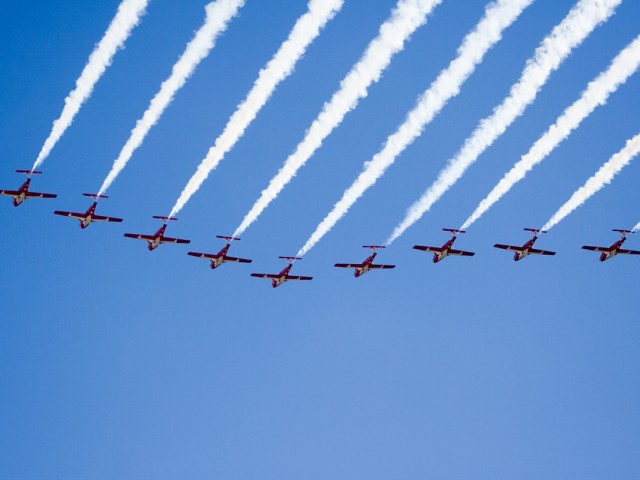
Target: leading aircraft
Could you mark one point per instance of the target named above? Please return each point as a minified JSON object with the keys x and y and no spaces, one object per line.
{"x":88,"y":217}
{"x":614,"y":249}
{"x":440,"y":253}
{"x":367,"y":264}
{"x":527,"y":248}
{"x":278,"y":279}
{"x":23,"y":192}
{"x":221,"y":257}
{"x":157,"y":238}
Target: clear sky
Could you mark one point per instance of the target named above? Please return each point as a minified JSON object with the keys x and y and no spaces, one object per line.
{"x":120,"y":363}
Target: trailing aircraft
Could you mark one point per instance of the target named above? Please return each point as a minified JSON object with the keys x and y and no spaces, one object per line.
{"x":367,"y":264}
{"x":527,"y":248}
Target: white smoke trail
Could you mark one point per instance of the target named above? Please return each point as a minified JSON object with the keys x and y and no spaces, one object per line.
{"x":406,"y":17}
{"x":583,"y":18}
{"x":127,"y":17}
{"x":218,"y":15}
{"x":596,"y":94}
{"x":636,"y":227}
{"x":306,"y":29}
{"x":498,"y":16}
{"x":601,"y":178}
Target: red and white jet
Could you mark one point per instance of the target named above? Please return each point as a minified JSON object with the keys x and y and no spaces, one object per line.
{"x":440,"y":253}
{"x":157,"y":238}
{"x":367,"y":264}
{"x":221,"y":257}
{"x":614,"y":249}
{"x":88,"y":217}
{"x":278,"y":279}
{"x":23,"y":192}
{"x":527,"y":248}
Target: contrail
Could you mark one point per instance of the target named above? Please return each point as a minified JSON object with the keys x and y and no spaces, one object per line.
{"x":127,"y":17}
{"x":306,"y":29}
{"x":583,"y":18}
{"x":601,"y":178}
{"x":218,"y":15}
{"x":406,"y":17}
{"x":498,"y":16}
{"x":596,"y":94}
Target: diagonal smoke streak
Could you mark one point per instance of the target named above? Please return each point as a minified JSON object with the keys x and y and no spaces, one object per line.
{"x":406,"y":17}
{"x":498,"y":16}
{"x":596,"y":94}
{"x":601,"y":178}
{"x":636,"y":227}
{"x":306,"y":29}
{"x":583,"y":18}
{"x":127,"y":17}
{"x":218,"y":16}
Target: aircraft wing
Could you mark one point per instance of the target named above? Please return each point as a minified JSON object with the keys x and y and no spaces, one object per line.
{"x":237,"y":260}
{"x":381,"y":266}
{"x":40,"y":195}
{"x":11,"y":193}
{"x":349,"y":265}
{"x":173,"y":240}
{"x":297,"y":277}
{"x":76,"y":215}
{"x":628,"y":252}
{"x":541,"y":252}
{"x":101,"y":218}
{"x":509,"y":247}
{"x":424,"y":248}
{"x":138,"y":236}
{"x":209,"y":256}
{"x":597,"y":249}
{"x":461,"y":252}
{"x":266,"y":275}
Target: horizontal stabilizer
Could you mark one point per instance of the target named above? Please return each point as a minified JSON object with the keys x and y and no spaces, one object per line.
{"x":29,"y":172}
{"x":373,"y":246}
{"x":453,"y":230}
{"x":535,"y":230}
{"x":165,"y":219}
{"x":624,"y":232}
{"x":94,"y":195}
{"x":291,"y":259}
{"x":227,"y":238}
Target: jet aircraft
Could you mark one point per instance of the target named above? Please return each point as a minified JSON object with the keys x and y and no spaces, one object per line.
{"x":278,"y":279}
{"x":614,"y":249}
{"x":440,"y":253}
{"x":367,"y":264}
{"x":88,"y":217}
{"x":157,"y":238}
{"x":23,"y":192}
{"x":221,"y":257}
{"x":527,"y":248}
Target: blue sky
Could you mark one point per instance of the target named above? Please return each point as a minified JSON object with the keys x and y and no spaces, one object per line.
{"x":117,"y":362}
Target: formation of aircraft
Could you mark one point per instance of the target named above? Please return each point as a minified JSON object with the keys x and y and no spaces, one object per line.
{"x":23,"y":193}
{"x":157,"y":238}
{"x":367,"y":264}
{"x":217,"y":259}
{"x":88,"y":217}
{"x":527,"y":248}
{"x":614,"y":249}
{"x":283,"y":276}
{"x":221,"y":257}
{"x":440,"y":253}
